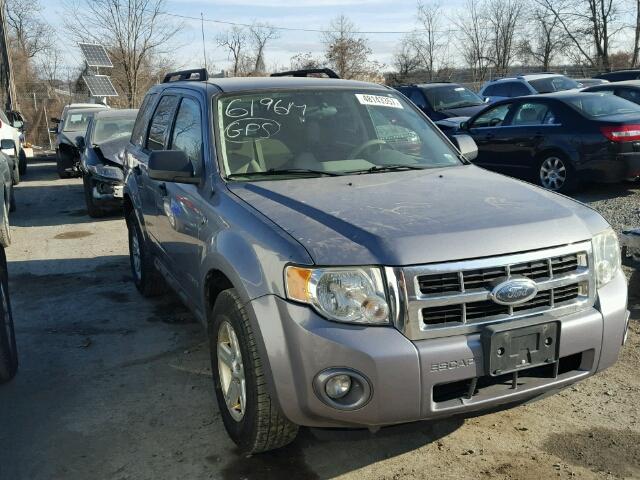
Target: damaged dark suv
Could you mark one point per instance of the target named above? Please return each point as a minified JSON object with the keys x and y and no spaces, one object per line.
{"x":346,"y":280}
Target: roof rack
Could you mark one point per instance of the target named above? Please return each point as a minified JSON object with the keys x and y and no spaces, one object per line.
{"x":309,"y":72}
{"x":197,"y":75}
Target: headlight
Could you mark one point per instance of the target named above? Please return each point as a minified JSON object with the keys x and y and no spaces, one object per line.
{"x":105,"y":171}
{"x":606,"y":256}
{"x":353,"y":295}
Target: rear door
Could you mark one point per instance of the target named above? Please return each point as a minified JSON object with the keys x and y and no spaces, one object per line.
{"x":531,"y":124}
{"x":487,"y":129}
{"x":180,"y":205}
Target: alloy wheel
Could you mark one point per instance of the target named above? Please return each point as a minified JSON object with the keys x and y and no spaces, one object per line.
{"x":136,"y":256}
{"x":553,"y":173}
{"x":231,"y":371}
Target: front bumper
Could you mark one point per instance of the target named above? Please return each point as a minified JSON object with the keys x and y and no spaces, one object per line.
{"x":106,"y":191}
{"x":407,"y":378}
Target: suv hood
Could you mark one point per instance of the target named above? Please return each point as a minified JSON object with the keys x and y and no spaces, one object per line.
{"x":414,"y":217}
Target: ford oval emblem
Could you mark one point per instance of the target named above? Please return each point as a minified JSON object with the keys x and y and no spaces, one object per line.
{"x":514,"y":291}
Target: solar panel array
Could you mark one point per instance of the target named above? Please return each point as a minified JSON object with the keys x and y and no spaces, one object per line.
{"x":95,"y":55}
{"x":100,"y":86}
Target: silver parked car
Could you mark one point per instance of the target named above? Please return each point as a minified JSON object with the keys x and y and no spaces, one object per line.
{"x":347,"y":280}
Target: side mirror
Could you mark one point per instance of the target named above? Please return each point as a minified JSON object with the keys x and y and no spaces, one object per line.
{"x":464,"y":125}
{"x":466,"y":145}
{"x":171,"y":166}
{"x":80,"y":142}
{"x":55,"y":120}
{"x":7,"y":144}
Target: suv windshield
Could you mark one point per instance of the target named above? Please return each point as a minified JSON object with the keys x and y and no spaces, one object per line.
{"x":601,"y":104}
{"x":454,"y":96}
{"x":77,"y":121}
{"x":111,"y":128}
{"x":553,"y":84}
{"x":317,"y":132}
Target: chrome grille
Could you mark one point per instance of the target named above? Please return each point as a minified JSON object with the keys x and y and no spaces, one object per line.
{"x":451,"y":298}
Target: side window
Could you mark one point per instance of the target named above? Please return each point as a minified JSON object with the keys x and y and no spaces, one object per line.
{"x":490,"y":91}
{"x":518,"y":89}
{"x":533,"y":114}
{"x":187,"y":132}
{"x":629,"y":94}
{"x":161,"y":122}
{"x":137,"y":134}
{"x":492,"y":117}
{"x":417,"y":97}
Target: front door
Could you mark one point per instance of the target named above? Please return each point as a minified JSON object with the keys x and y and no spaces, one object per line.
{"x":182,"y":206}
{"x":489,"y":133}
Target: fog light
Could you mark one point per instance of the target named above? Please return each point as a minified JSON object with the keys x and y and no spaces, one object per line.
{"x":338,"y":386}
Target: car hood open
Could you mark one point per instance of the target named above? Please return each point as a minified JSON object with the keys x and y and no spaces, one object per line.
{"x":415,"y":217}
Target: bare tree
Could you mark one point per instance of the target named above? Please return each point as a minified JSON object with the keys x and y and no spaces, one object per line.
{"x":590,"y":26}
{"x":502,"y":19}
{"x":406,"y":60}
{"x":545,"y":39}
{"x":135,"y":31}
{"x":474,"y":40}
{"x":236,"y":42}
{"x":260,"y":34}
{"x":429,"y":43}
{"x":346,"y":51}
{"x":636,"y":38}
{"x":31,"y":35}
{"x":305,"y":61}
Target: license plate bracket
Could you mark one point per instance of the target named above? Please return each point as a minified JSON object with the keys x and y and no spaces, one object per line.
{"x":508,"y":349}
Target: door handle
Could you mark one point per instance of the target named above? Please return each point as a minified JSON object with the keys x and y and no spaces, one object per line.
{"x":163,"y":189}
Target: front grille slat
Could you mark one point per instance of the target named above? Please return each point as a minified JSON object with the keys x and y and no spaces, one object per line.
{"x":465,"y":282}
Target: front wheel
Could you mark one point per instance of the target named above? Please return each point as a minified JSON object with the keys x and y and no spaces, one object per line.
{"x":250,"y":416}
{"x":146,"y":277}
{"x":22,"y":162}
{"x":8,"y":350}
{"x":556,"y":173}
{"x":93,"y":210}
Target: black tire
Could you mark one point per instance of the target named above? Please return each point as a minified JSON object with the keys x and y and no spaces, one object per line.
{"x":12,"y":200}
{"x":62,"y":172}
{"x":93,"y":210}
{"x":15,"y":172}
{"x":148,"y":280}
{"x":565,"y":180}
{"x":5,"y":231}
{"x":8,"y":349}
{"x":22,"y":162}
{"x":262,"y":427}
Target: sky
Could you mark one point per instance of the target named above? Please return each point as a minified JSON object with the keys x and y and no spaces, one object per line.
{"x":368,"y":15}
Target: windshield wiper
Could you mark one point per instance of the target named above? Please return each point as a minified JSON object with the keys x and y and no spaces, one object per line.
{"x":388,"y":168}
{"x":285,"y":171}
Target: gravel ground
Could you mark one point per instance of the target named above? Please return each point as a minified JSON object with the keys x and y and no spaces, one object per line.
{"x":113,"y":386}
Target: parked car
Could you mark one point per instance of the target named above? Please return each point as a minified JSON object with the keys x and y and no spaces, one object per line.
{"x":443,"y":100}
{"x":101,"y":157}
{"x":559,"y":140}
{"x":73,"y":125}
{"x":8,"y":349}
{"x":15,"y":155}
{"x":523,"y":85}
{"x":629,"y":89}
{"x":619,"y":75}
{"x":590,"y":82}
{"x":345,"y":283}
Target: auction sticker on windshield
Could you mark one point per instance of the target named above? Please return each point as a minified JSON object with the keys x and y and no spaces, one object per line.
{"x":378,"y":100}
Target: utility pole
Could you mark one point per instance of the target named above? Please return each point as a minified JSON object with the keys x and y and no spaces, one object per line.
{"x":7,"y":87}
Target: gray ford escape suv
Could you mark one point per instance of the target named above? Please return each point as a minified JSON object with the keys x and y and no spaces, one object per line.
{"x":351,"y":266}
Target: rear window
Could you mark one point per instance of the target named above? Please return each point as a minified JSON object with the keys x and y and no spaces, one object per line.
{"x":553,"y":84}
{"x":77,"y":121}
{"x":603,"y":104}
